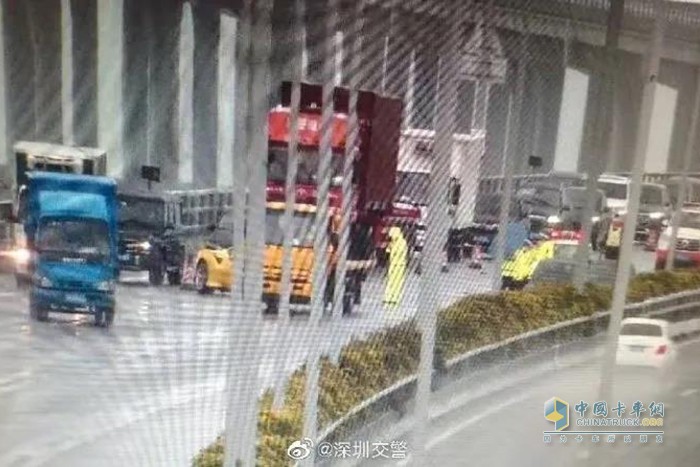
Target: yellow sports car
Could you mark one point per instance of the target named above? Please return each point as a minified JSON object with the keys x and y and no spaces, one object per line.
{"x":213,"y":262}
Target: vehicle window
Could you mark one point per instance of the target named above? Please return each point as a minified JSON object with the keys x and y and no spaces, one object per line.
{"x":641,"y":329}
{"x":575,"y":197}
{"x":307,"y":170}
{"x":73,"y":237}
{"x":690,"y":220}
{"x":652,"y":195}
{"x":141,"y":212}
{"x":614,"y":190}
{"x":302,"y":228}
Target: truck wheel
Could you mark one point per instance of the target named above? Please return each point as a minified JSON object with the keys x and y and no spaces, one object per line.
{"x":155,"y":276}
{"x":347,"y":304}
{"x":201,"y":277}
{"x":174,"y":278}
{"x":37,"y":313}
{"x":357,"y":294}
{"x":108,"y":318}
{"x":23,"y":282}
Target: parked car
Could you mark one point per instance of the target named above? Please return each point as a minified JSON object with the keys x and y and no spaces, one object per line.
{"x":687,"y":241}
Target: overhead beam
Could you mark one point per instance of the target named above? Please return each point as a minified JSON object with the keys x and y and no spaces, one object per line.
{"x":560,"y":27}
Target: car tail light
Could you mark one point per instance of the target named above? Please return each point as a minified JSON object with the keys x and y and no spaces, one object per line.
{"x":662,"y":349}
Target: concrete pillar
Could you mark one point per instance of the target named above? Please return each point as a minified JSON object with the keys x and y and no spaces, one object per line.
{"x":67,"y":71}
{"x":185,"y":163}
{"x":572,"y":116}
{"x":206,"y":27}
{"x":411,"y":92}
{"x":226,"y":94}
{"x":338,"y":64}
{"x":662,"y":120}
{"x":84,"y":58}
{"x":4,"y":140}
{"x":110,"y":63}
{"x":162,"y":23}
{"x":44,"y":23}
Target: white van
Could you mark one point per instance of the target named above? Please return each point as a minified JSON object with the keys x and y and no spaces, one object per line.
{"x":654,"y":199}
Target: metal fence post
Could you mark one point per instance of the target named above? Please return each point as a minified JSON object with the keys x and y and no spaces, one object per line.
{"x":290,"y":196}
{"x":320,"y":267}
{"x":436,"y":236}
{"x":683,"y":188}
{"x":626,"y":249}
{"x":510,"y":153}
{"x":355,"y":81}
{"x":234,"y":435}
{"x":606,"y":93}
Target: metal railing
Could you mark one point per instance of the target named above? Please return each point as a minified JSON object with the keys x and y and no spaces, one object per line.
{"x":679,"y":308}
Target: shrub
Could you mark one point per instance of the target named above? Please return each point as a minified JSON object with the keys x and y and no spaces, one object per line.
{"x":368,"y":366}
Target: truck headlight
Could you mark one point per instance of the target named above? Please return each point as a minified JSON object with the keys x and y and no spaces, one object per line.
{"x":21,"y":256}
{"x":595,"y":219}
{"x":43,"y":281}
{"x":106,"y":286}
{"x":553,"y":220}
{"x":145,"y":245}
{"x":656,"y":215}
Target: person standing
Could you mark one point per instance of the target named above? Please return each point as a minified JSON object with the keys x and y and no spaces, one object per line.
{"x":603,"y":227}
{"x":398,"y":256}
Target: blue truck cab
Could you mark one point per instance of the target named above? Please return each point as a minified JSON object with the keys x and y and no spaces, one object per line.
{"x":71,"y":230}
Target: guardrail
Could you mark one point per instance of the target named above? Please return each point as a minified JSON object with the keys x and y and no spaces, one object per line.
{"x":680,"y":307}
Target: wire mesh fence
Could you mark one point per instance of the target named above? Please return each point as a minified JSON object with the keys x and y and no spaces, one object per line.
{"x":357,"y":193}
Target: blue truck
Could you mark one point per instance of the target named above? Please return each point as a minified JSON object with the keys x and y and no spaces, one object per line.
{"x":71,"y":231}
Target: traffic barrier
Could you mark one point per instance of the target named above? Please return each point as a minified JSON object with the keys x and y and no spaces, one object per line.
{"x":188,"y":272}
{"x":681,"y":309}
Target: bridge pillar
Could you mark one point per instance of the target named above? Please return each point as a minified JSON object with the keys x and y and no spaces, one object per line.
{"x":67,"y":71}
{"x":5,"y":170}
{"x":206,"y":27}
{"x":185,"y":155}
{"x":572,"y":115}
{"x":226,"y":95}
{"x":110,"y":63}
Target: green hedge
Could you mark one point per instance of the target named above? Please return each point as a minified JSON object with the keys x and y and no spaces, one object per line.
{"x":368,"y":366}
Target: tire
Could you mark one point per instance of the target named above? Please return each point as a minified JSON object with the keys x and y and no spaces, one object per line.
{"x":174,"y":278}
{"x":99,"y":318}
{"x":37,"y":313}
{"x":108,"y":317}
{"x":201,"y":277}
{"x":347,"y":304}
{"x":23,"y":282}
{"x":357,"y":294}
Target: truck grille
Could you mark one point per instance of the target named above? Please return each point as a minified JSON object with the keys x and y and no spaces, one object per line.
{"x":688,"y":245}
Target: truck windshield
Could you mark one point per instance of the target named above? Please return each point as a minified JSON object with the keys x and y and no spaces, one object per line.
{"x":652,"y":195}
{"x":576,"y":198}
{"x":613,"y":190}
{"x":307,"y":171}
{"x":302,"y":228}
{"x":63,"y":238}
{"x":141,"y":212}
